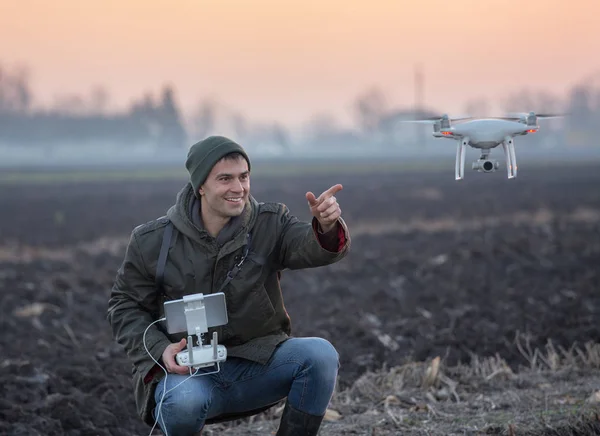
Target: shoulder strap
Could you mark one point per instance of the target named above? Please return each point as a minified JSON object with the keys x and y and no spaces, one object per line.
{"x":162,"y":257}
{"x":236,"y":268}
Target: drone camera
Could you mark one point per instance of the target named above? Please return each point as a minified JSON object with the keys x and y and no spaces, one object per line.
{"x":486,"y":165}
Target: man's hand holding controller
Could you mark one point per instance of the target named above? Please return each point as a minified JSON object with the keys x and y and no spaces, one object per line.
{"x":168,"y":358}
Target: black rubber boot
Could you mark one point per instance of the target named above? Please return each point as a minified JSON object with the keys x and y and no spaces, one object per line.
{"x":297,"y":423}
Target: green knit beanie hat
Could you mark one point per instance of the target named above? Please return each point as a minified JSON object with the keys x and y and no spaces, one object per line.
{"x":203,"y":155}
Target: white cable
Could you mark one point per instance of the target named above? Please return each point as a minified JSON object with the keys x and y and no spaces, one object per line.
{"x":164,"y":370}
{"x":166,"y":375}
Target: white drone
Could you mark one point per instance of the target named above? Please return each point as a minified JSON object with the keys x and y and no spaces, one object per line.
{"x":485,"y":134}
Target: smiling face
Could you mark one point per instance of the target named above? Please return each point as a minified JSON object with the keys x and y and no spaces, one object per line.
{"x":226,"y":189}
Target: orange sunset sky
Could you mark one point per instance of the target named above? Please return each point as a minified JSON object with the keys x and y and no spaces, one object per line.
{"x":287,"y":60}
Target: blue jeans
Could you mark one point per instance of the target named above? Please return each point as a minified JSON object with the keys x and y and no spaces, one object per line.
{"x":302,"y":369}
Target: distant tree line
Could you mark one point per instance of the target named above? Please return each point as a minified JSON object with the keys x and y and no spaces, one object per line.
{"x":159,"y":122}
{"x":148,"y":121}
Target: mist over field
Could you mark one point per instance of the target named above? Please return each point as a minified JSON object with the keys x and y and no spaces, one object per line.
{"x":79,"y":131}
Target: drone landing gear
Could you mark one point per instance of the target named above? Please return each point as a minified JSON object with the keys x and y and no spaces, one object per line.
{"x":511,"y":160}
{"x":461,"y":150}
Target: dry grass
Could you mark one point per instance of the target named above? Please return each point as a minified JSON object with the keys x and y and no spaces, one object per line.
{"x":523,"y":218}
{"x":557,"y":394}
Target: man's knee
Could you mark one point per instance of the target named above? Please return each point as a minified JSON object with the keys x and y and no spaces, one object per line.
{"x":322,"y":355}
{"x":188,"y":405}
{"x":183,"y":409}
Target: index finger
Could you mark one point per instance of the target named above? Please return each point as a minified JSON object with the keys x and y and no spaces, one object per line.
{"x":330,"y":192}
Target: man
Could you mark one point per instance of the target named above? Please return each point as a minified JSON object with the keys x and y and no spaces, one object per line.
{"x":215,"y":220}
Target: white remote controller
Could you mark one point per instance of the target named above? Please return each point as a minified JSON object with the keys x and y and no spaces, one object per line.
{"x":202,"y":356}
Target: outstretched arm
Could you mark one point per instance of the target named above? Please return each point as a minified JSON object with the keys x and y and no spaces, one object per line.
{"x":323,"y":241}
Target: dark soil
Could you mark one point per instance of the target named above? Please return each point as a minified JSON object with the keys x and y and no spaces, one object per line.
{"x":437,"y":268}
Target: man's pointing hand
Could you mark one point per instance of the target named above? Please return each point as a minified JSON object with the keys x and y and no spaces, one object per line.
{"x":325,"y":208}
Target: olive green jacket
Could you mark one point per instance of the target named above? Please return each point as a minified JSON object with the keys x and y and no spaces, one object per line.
{"x":198,"y":263}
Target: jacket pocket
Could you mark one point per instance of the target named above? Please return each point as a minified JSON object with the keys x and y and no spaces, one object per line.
{"x":266,"y":305}
{"x":248,"y":304}
{"x":250,"y":319}
{"x":248,"y":287}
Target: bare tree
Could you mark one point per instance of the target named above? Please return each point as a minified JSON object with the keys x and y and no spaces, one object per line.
{"x":173,"y":134}
{"x":240,"y":126}
{"x":204,"y":119}
{"x":281,"y":136}
{"x":69,"y":104}
{"x":477,"y":108}
{"x":371,"y":107}
{"x":522,"y":101}
{"x":537,"y":101}
{"x":99,"y":100}
{"x":15,"y":93}
{"x":321,"y":126}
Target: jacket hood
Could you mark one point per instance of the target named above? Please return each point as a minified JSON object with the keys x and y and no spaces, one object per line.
{"x":187,"y":205}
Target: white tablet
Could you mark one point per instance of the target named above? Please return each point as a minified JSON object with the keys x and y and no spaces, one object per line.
{"x":214,"y":305}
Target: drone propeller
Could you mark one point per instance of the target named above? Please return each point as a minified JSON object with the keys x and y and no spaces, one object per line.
{"x":550,"y":115}
{"x":433,"y":120}
{"x":519,"y":115}
{"x":426,"y":121}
